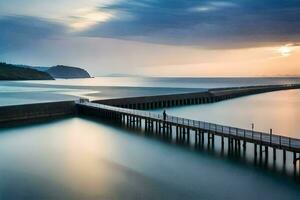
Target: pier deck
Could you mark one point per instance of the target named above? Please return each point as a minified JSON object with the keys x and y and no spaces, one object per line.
{"x":131,"y":112}
{"x":156,"y":123}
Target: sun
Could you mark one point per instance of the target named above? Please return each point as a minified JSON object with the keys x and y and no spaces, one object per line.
{"x":285,"y":50}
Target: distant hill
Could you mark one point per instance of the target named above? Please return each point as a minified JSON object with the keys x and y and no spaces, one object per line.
{"x":39,"y":68}
{"x":16,"y":72}
{"x":67,"y":72}
{"x":122,"y":75}
{"x":26,"y":72}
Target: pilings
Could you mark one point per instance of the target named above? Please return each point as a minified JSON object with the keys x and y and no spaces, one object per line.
{"x":183,"y":132}
{"x":202,"y":137}
{"x":201,"y":97}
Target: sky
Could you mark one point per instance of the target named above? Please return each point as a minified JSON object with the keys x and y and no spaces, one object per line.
{"x":155,"y":37}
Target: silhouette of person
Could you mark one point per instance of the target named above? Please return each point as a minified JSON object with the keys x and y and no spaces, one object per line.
{"x":165,"y":115}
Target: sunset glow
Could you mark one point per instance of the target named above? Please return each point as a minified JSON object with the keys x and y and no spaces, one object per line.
{"x":154,"y":37}
{"x":285,"y":50}
{"x":87,"y":17}
{"x":149,"y":99}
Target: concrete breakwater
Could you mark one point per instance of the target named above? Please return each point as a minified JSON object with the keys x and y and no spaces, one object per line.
{"x":39,"y":111}
{"x":209,"y":96}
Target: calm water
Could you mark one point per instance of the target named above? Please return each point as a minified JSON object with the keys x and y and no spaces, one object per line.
{"x":171,"y":82}
{"x":83,"y":159}
{"x":23,"y":92}
{"x":277,"y":110}
{"x":79,"y":158}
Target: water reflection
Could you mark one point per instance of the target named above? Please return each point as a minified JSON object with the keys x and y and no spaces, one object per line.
{"x":86,"y":159}
{"x":277,"y":110}
{"x":238,"y":153}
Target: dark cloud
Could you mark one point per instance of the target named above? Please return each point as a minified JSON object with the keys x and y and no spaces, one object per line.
{"x":25,"y":31}
{"x":229,"y":24}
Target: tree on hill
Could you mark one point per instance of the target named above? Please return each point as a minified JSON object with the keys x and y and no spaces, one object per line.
{"x":13,"y":72}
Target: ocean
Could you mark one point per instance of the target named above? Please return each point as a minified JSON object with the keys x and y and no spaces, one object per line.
{"x":84,"y":158}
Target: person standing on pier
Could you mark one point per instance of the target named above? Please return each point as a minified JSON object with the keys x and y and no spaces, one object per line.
{"x":165,"y":115}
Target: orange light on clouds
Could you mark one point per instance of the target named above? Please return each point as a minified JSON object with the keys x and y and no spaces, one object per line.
{"x":88,"y":17}
{"x":285,"y":50}
{"x":262,"y":61}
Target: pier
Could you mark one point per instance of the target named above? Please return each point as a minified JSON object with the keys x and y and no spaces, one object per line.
{"x":132,"y":113}
{"x":185,"y":129}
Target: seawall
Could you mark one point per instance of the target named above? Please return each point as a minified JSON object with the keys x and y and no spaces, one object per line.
{"x":210,"y":96}
{"x":34,"y":112}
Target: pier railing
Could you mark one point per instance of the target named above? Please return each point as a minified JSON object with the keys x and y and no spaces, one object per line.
{"x":254,"y":136}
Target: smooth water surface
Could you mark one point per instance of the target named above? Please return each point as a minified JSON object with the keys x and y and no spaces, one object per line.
{"x":173,"y":82}
{"x":80,"y":158}
{"x":24,"y":92}
{"x":278,"y":110}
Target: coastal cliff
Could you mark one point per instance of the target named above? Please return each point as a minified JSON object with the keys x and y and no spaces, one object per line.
{"x":14,"y":72}
{"x":67,"y":72}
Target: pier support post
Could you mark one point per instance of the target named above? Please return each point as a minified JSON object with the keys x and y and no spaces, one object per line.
{"x":180,"y":133}
{"x":244,"y":144}
{"x":127,"y":120}
{"x":152,"y":126}
{"x":140,"y":123}
{"x":284,"y":155}
{"x":260,"y":151}
{"x":222,"y":142}
{"x":235,"y":145}
{"x":146,"y":125}
{"x":202,"y":137}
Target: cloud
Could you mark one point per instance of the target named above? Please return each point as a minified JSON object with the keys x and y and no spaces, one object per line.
{"x":87,"y":17}
{"x":294,"y":44}
{"x":201,"y":23}
{"x":25,"y":31}
{"x":212,"y":24}
{"x":213,"y":6}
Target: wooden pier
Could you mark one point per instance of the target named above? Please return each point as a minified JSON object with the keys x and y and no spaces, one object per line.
{"x":131,"y":113}
{"x":202,"y":132}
